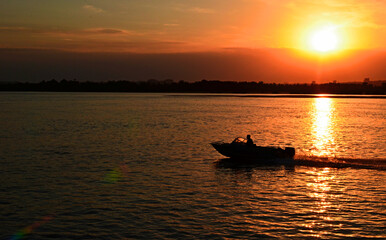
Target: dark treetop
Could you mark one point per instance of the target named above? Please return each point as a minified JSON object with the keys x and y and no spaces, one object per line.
{"x":203,"y":86}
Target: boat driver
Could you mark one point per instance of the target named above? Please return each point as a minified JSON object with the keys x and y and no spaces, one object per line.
{"x":249,"y":140}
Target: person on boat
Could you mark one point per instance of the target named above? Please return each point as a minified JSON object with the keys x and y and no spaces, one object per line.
{"x":249,"y":140}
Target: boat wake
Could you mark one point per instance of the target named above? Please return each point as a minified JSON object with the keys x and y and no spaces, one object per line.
{"x":316,"y":161}
{"x":307,"y":160}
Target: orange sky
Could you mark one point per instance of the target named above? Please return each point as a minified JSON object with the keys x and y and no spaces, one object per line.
{"x":177,"y":26}
{"x":170,"y":26}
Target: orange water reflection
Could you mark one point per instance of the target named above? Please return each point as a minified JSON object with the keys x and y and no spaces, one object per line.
{"x":323,"y":190}
{"x":323,"y":141}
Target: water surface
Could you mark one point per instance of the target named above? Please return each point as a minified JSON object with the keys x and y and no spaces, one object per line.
{"x":139,"y":166}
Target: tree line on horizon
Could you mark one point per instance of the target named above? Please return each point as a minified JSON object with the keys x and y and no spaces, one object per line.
{"x":203,"y":86}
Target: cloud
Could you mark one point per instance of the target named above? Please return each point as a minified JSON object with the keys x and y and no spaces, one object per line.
{"x":92,"y":8}
{"x":19,"y":30}
{"x":348,"y":12}
{"x":171,"y":24}
{"x":92,"y":39}
{"x":194,"y":9}
{"x":200,"y":10}
{"x":103,"y":31}
{"x":87,"y":31}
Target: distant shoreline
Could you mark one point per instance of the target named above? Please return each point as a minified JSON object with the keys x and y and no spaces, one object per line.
{"x":244,"y":89}
{"x":234,"y":95}
{"x":247,"y":95}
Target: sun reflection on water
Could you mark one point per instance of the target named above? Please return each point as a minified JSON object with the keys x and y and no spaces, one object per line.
{"x":323,"y":205}
{"x":323,"y":127}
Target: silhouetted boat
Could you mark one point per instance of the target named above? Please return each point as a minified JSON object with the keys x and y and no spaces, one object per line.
{"x":239,"y":149}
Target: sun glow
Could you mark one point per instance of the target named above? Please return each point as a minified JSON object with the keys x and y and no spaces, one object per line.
{"x":324,"y":40}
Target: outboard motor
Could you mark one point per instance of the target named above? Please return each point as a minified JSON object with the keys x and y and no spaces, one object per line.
{"x":289,"y":152}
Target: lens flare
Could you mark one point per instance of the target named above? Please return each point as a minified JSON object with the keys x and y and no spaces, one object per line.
{"x":116,"y":174}
{"x":29,"y":229}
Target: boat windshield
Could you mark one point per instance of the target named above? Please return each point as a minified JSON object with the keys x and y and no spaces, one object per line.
{"x":239,"y":140}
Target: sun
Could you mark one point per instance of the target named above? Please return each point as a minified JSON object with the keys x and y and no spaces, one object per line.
{"x":324,"y":39}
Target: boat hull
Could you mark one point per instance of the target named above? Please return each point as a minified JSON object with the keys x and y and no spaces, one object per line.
{"x":243,"y":151}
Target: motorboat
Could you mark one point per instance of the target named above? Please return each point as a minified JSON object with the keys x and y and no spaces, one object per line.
{"x":240,"y":149}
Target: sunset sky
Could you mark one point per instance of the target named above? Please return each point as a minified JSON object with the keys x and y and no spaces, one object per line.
{"x":289,"y":35}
